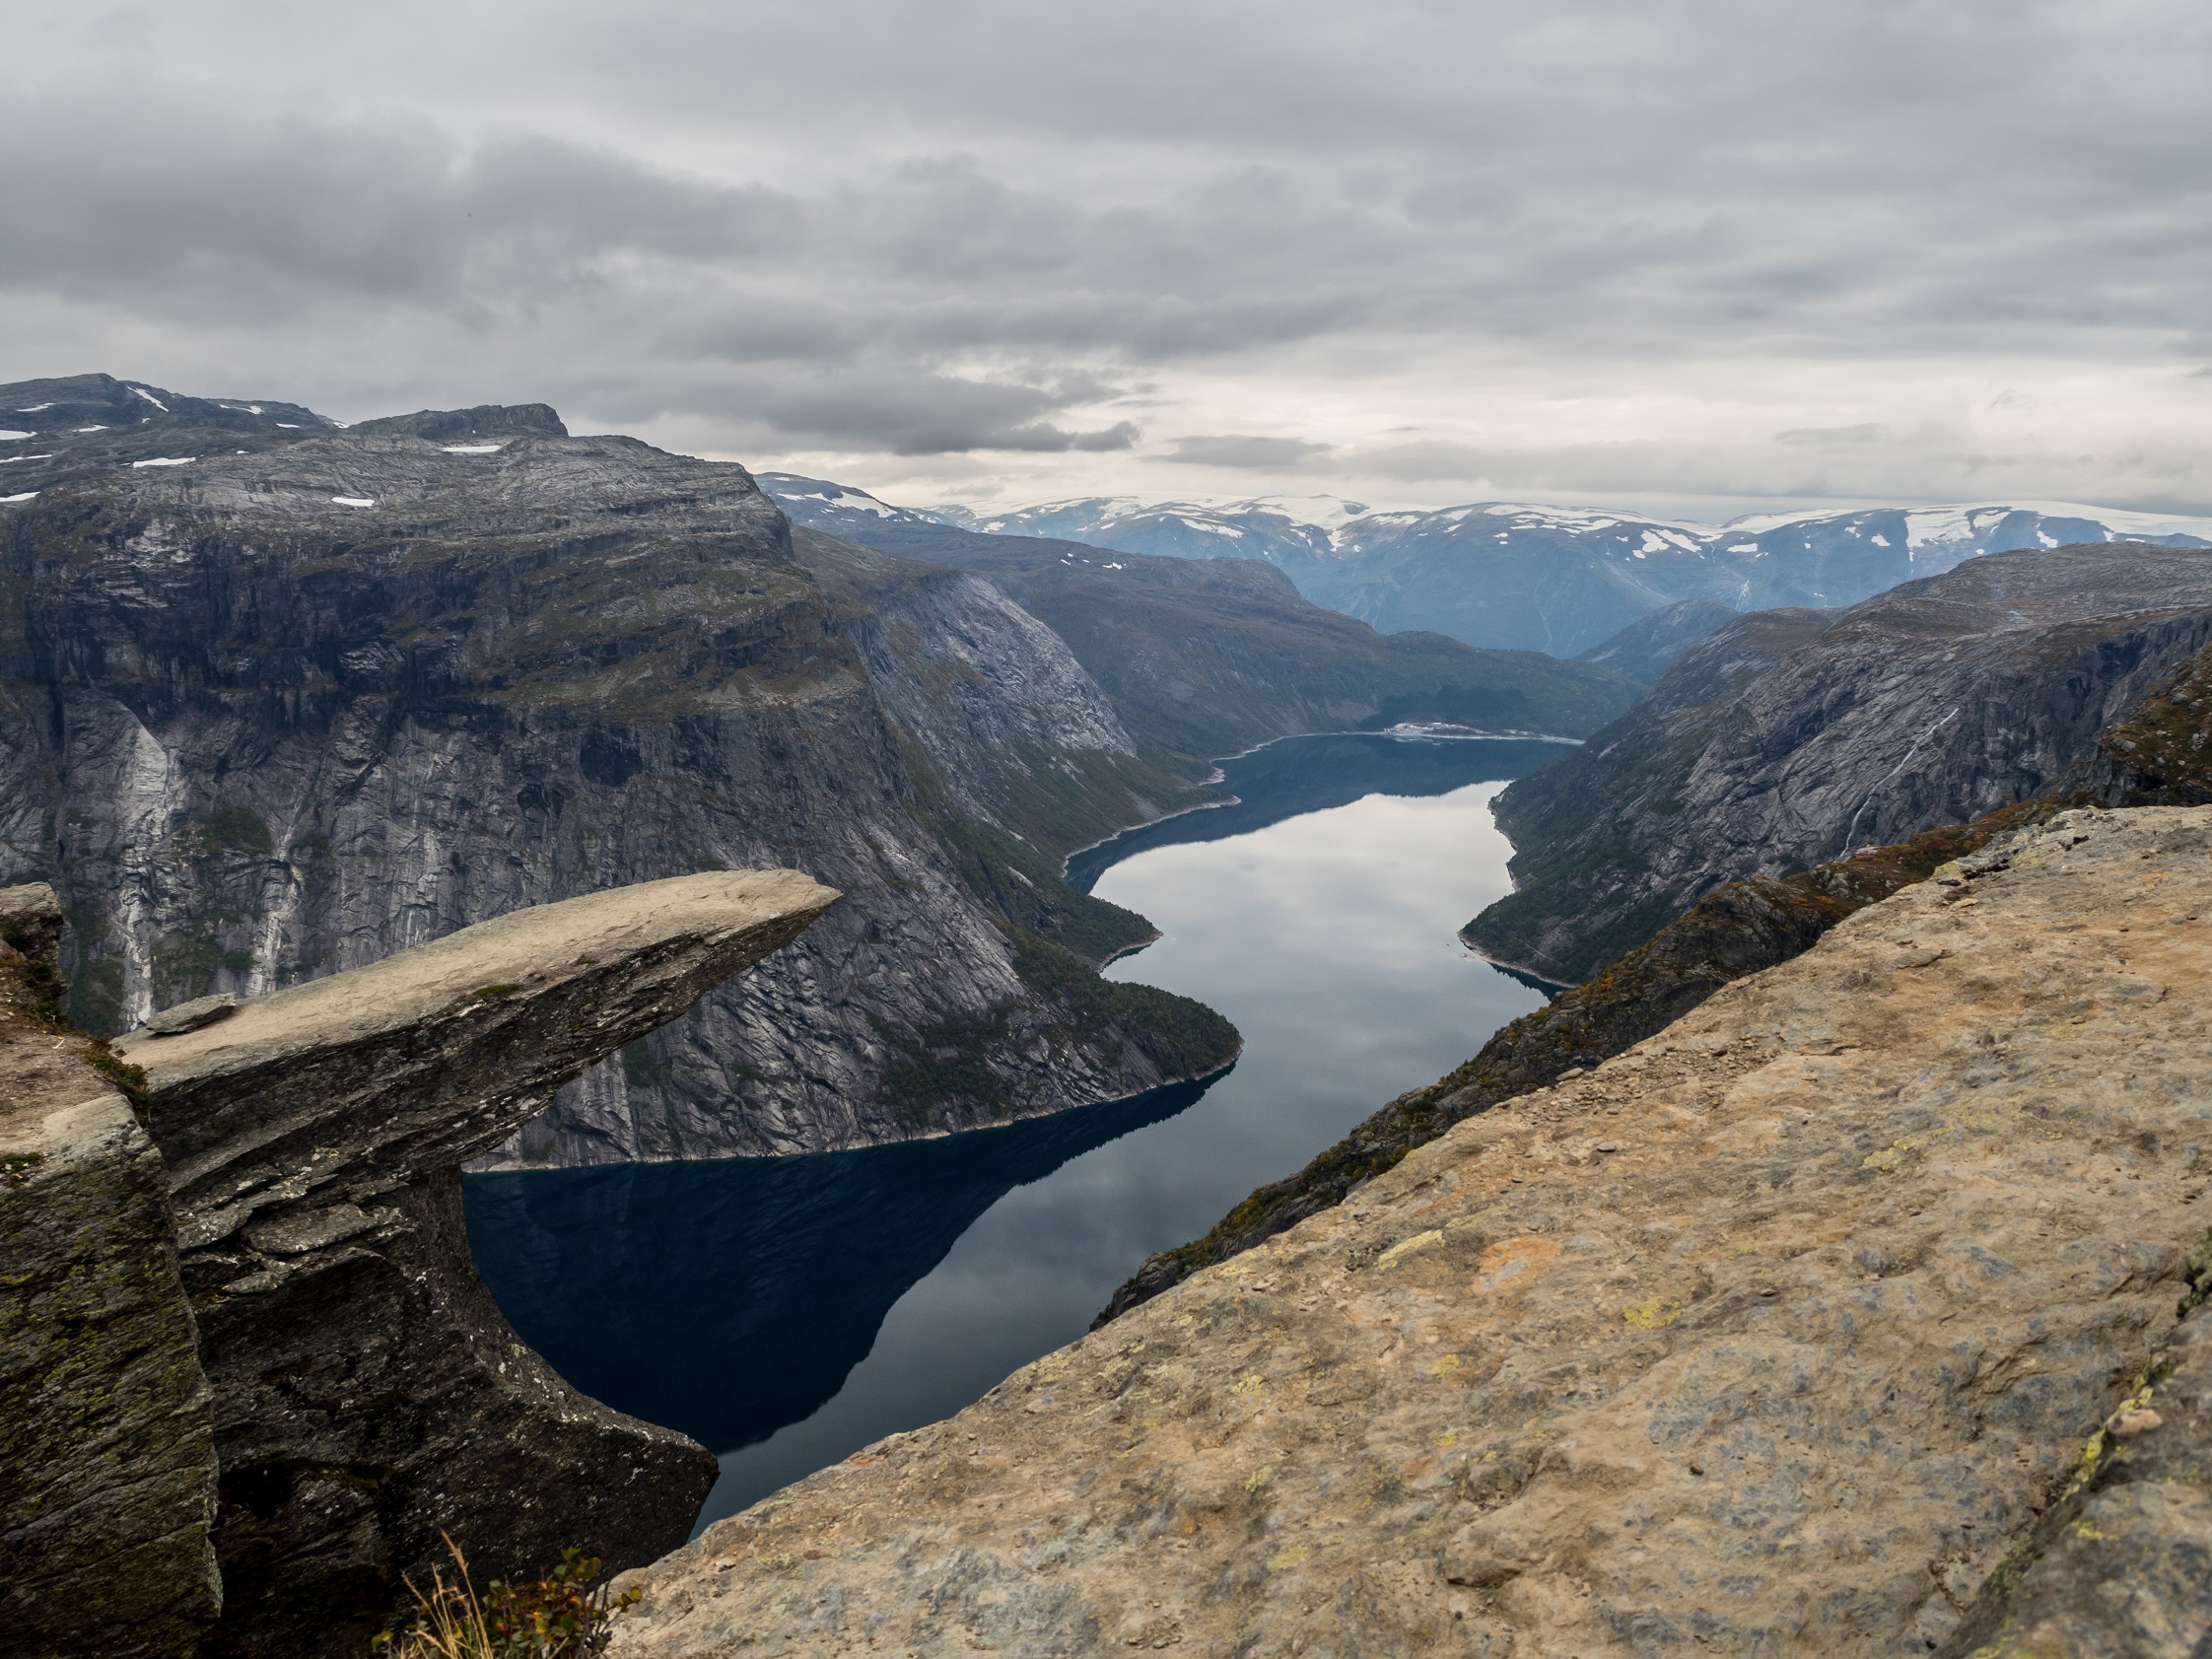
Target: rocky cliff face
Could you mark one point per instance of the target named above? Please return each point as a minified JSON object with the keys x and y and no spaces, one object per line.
{"x":366,"y":1399}
{"x":273,"y":714}
{"x":1652,"y":645}
{"x":1839,"y":1317}
{"x":107,"y":1428}
{"x":1792,"y":738}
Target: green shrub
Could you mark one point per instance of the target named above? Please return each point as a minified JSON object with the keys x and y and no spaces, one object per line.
{"x":239,"y":828}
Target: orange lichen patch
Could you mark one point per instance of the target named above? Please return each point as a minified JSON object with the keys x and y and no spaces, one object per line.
{"x":1511,"y":1263}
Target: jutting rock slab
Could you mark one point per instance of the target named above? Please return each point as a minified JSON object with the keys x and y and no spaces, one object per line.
{"x":367,"y":1398}
{"x":1774,"y":1334}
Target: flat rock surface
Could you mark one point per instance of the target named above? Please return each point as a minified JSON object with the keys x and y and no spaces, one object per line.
{"x":521,"y":950}
{"x":1883,"y":1235}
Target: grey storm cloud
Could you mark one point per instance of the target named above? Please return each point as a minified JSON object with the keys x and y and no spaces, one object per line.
{"x":1236,"y":450}
{"x":981,"y":225}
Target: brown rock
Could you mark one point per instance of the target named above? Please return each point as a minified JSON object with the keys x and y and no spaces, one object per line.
{"x":106,"y":1444}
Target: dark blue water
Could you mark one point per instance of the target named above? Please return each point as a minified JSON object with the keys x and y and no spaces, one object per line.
{"x":789,"y":1311}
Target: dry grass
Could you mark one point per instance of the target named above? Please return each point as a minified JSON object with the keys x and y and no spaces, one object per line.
{"x":565,"y":1615}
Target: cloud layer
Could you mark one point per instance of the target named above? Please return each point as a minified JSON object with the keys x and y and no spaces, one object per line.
{"x":1691,"y":254}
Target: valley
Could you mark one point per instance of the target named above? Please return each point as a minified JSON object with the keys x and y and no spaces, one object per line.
{"x":1115,"y":962}
{"x":788,"y":1312}
{"x":273,"y":713}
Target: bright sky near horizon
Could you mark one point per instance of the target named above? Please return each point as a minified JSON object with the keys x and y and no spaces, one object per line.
{"x":1697,"y":257}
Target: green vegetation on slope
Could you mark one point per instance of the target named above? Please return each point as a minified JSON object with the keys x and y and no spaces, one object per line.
{"x":1060,"y":937}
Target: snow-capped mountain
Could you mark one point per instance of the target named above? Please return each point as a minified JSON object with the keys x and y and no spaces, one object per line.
{"x":1562,"y":580}
{"x":1281,"y":530}
{"x":836,"y":507}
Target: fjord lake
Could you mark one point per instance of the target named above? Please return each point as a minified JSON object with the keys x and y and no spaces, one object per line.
{"x":786,"y":1312}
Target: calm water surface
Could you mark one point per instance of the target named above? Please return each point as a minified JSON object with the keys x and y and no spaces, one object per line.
{"x":789,"y":1311}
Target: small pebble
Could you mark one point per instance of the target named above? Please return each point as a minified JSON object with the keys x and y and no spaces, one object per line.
{"x":1607,"y":1146}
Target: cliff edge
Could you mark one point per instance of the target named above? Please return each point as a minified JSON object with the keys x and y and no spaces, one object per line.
{"x":1833,"y":1319}
{"x":257,"y":1380}
{"x":107,"y":1438}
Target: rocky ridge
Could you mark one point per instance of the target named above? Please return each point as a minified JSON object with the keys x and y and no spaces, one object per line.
{"x":1776,"y":1333}
{"x":107,"y":1429}
{"x":1792,"y":737}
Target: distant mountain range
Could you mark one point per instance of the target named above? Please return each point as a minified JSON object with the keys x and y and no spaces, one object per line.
{"x":1557,"y":579}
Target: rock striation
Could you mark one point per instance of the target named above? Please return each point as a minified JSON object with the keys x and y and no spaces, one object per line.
{"x":1782,"y":1332}
{"x":365,"y":1399}
{"x":106,"y":1432}
{"x":1792,"y":737}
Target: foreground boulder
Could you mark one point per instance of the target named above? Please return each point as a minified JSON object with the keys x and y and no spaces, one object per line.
{"x":1777,"y":1333}
{"x":367,"y":1396}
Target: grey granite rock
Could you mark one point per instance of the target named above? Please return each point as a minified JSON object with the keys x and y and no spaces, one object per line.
{"x":181,"y":1017}
{"x":2120,"y":1566}
{"x":107,"y":1438}
{"x":1792,"y":737}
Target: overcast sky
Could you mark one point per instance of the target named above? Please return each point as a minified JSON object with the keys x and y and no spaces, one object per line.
{"x":1705,"y":256}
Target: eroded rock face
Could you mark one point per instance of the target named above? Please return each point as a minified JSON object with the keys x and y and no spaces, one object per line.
{"x":1792,"y":737}
{"x":1772,"y":1335}
{"x":107,"y":1440}
{"x":367,"y":1396}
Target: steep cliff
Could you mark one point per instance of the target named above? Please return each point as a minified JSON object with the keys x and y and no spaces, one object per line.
{"x":271,"y":715}
{"x":1778,"y":1334}
{"x":1795,"y":736}
{"x":107,"y":1429}
{"x":366,"y":1399}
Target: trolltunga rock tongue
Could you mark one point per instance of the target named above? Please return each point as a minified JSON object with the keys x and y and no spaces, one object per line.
{"x":438,"y":1053}
{"x":369,"y":1402}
